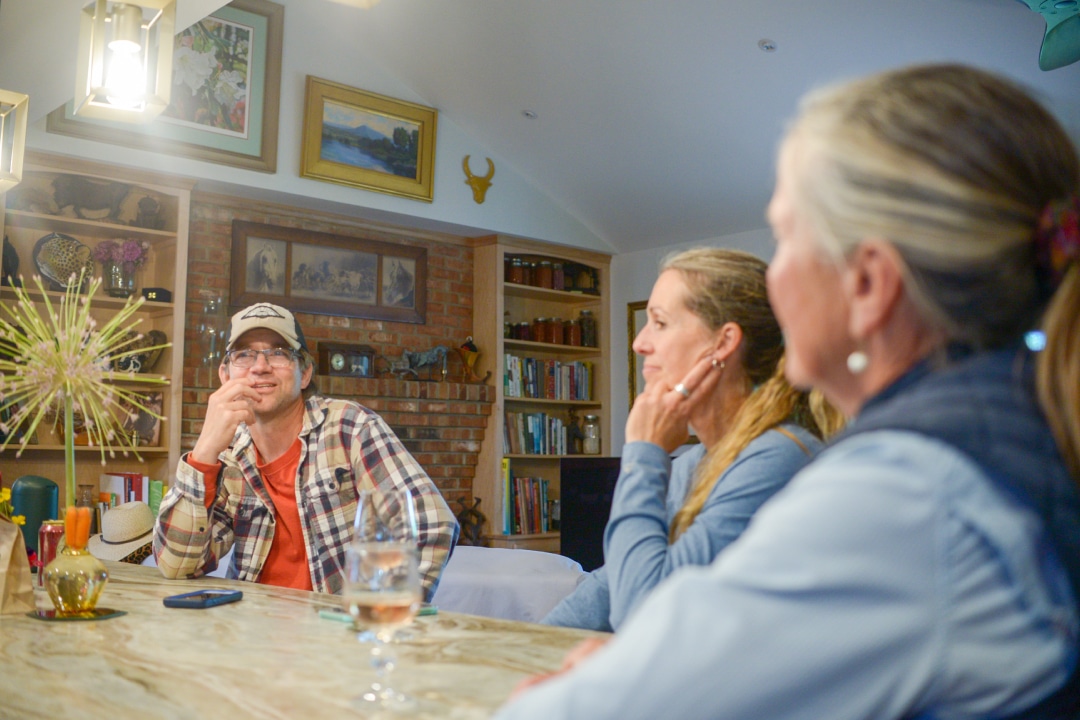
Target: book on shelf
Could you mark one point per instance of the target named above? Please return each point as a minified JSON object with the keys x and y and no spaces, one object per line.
{"x":125,"y":487}
{"x":526,"y":377}
{"x":157,"y":492}
{"x":529,"y":506}
{"x":508,"y":498}
{"x":534,"y":434}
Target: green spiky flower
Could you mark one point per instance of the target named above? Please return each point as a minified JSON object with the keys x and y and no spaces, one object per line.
{"x":55,"y":362}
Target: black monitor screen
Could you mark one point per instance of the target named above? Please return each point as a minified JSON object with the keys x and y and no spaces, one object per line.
{"x":586,"y":488}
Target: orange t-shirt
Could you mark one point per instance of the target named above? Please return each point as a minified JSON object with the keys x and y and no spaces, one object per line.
{"x":287,"y":563}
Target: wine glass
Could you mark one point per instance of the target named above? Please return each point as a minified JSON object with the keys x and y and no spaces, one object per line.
{"x":382,"y":585}
{"x":383,"y":515}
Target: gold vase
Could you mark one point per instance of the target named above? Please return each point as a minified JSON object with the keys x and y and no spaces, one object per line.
{"x":75,"y":579}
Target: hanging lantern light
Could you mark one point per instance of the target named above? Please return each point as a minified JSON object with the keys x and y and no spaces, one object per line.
{"x":13,"y":107}
{"x":125,"y":59}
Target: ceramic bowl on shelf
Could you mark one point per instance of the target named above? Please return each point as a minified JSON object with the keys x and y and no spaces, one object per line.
{"x":142,"y":362}
{"x":59,"y":257}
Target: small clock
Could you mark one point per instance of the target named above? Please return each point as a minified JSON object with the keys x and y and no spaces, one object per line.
{"x":346,"y":360}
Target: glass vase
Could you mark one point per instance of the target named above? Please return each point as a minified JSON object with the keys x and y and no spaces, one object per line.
{"x":75,"y":579}
{"x":118,"y":281}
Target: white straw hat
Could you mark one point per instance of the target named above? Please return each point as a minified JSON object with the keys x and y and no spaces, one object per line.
{"x":125,"y":530}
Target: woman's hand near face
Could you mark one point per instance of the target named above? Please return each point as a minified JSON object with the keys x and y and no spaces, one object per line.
{"x":227,"y":407}
{"x":661,"y":414}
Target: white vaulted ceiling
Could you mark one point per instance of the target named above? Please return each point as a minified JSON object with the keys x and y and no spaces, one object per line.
{"x":656,"y":121}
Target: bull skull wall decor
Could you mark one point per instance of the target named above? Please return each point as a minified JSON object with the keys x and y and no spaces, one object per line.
{"x":478,"y":184}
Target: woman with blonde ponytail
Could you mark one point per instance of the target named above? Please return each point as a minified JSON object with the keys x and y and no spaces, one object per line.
{"x":708,"y":312}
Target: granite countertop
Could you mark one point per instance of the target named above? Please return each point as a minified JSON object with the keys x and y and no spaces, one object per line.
{"x":268,"y":656}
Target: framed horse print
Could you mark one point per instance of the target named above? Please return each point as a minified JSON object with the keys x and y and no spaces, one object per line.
{"x":327,"y":274}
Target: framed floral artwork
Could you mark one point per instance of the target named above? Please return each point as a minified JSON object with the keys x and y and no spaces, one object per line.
{"x":225,"y":93}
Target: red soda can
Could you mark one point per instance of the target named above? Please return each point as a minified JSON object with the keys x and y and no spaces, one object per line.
{"x":49,"y":535}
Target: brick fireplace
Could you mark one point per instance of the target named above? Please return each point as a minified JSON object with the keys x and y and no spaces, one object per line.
{"x":441,"y":422}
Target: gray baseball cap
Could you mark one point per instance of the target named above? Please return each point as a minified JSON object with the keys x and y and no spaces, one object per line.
{"x":271,"y":317}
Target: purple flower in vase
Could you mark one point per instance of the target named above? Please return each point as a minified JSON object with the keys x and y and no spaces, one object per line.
{"x":132,"y":253}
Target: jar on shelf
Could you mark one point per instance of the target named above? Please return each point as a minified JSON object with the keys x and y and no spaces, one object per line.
{"x":558,"y":278}
{"x":530,"y":272}
{"x":588,"y":328}
{"x":572,"y":333}
{"x":508,"y":327}
{"x":517,"y":271}
{"x":539,"y":329}
{"x":585,"y":280}
{"x":556,"y":331}
{"x":544,"y":275}
{"x":524,"y":331}
{"x":590,"y":445}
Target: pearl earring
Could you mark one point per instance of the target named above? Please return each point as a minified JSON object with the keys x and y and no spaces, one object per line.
{"x":857,"y":362}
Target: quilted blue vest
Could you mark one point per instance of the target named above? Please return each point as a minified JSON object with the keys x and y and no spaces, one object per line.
{"x":984,"y":406}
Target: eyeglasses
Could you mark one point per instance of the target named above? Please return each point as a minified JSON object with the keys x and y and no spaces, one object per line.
{"x":275,"y":357}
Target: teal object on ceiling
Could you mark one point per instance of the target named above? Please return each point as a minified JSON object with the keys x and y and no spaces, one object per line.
{"x":1061,"y":42}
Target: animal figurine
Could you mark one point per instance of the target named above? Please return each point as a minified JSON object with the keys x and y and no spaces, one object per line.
{"x":411,"y":362}
{"x":472,"y":522}
{"x":89,"y":194}
{"x":149,"y":214}
{"x":478,"y":183}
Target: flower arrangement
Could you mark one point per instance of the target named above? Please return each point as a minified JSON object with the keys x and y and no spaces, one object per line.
{"x":130,"y":253}
{"x":55,"y":361}
{"x":6,"y":509}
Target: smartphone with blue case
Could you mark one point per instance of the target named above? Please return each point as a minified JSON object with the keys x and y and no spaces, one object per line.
{"x":203,"y":598}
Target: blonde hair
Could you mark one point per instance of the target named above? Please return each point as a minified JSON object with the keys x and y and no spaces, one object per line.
{"x":953,"y":166}
{"x":729,"y":286}
{"x":1058,"y":369}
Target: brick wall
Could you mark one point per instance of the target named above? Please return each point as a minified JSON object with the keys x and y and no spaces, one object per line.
{"x":441,"y":422}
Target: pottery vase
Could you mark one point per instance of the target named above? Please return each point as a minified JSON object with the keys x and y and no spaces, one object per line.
{"x":74,"y":580}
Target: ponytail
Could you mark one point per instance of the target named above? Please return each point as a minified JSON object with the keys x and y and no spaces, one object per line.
{"x":773,"y":403}
{"x":1057,"y":373}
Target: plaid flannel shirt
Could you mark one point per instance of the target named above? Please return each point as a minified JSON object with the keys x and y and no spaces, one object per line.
{"x":345,"y":448}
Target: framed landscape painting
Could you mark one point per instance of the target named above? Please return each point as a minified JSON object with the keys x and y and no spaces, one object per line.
{"x":225,"y":93}
{"x":369,"y":141}
{"x":326,"y":274}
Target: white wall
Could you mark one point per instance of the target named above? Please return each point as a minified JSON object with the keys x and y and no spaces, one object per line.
{"x":635,"y":274}
{"x":513,"y":206}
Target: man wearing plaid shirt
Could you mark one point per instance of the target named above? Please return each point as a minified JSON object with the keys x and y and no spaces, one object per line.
{"x":277,"y":468}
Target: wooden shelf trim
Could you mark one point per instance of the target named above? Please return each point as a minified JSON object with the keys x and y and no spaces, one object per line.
{"x":80,"y":226}
{"x":560,"y":296}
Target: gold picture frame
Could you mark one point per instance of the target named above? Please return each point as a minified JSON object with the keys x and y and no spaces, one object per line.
{"x":636,"y":318}
{"x":358,"y":138}
{"x":260,"y":24}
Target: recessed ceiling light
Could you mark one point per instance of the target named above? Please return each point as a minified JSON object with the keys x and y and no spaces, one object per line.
{"x":766,"y":45}
{"x":531,"y":114}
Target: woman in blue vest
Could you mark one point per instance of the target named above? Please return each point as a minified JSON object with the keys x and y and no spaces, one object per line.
{"x":927,"y":563}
